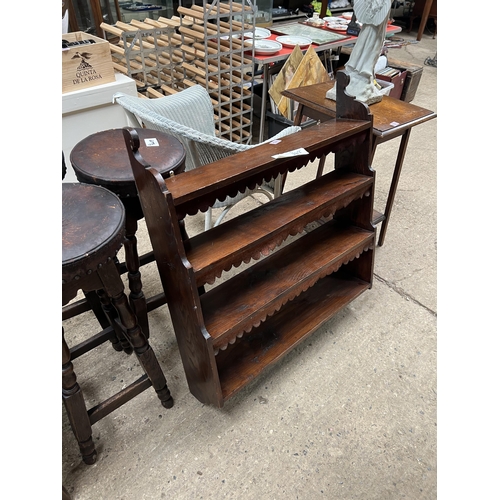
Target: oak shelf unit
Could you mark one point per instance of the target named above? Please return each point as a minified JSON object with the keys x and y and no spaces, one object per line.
{"x":228,"y":334}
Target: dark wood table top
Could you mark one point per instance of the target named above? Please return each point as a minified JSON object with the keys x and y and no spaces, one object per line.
{"x":102,"y":158}
{"x":391,"y":117}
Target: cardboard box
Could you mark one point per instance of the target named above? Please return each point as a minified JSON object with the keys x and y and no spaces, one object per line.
{"x":398,"y":82}
{"x":86,"y":65}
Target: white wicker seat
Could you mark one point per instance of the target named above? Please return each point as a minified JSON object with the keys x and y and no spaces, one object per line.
{"x":189,"y":116}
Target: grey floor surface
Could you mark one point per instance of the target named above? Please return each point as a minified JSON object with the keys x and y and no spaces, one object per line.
{"x":349,"y":414}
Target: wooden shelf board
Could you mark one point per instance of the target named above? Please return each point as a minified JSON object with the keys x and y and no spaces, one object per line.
{"x":246,"y":299}
{"x":267,"y":226}
{"x":202,"y":181}
{"x":249,"y":356}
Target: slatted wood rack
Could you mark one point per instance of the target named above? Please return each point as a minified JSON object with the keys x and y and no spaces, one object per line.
{"x":205,"y":45}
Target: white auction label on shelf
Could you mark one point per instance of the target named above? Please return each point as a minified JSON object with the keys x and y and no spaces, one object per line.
{"x":151,"y":142}
{"x":295,"y":152}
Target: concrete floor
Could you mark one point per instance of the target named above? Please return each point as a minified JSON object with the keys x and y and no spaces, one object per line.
{"x":349,"y":414}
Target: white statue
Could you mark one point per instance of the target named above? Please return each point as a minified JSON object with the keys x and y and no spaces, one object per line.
{"x":373,"y":14}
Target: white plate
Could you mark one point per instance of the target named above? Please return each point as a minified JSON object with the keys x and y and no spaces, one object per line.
{"x":315,"y":22}
{"x":338,"y":20}
{"x":337,"y":26}
{"x":260,"y":34}
{"x":292,"y":40}
{"x":267,"y":47}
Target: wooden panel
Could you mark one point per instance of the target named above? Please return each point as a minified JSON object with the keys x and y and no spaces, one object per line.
{"x":310,"y":70}
{"x":240,"y":364}
{"x":86,"y":65}
{"x":243,"y":302}
{"x":267,"y":226}
{"x":192,"y":185}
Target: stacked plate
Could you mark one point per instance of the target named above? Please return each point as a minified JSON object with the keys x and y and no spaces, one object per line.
{"x":337,"y":23}
{"x":260,"y":34}
{"x":292,"y":40}
{"x":267,"y":47}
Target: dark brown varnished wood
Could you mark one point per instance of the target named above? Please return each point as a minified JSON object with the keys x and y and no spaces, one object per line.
{"x":101,"y":159}
{"x":93,"y":230}
{"x":392,"y":118}
{"x":183,"y":300}
{"x":246,"y":300}
{"x":269,"y":225}
{"x":243,"y":361}
{"x":197,"y":189}
{"x":229,"y":334}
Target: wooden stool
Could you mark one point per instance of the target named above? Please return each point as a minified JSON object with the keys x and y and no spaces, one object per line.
{"x":102,"y":159}
{"x":93,"y":230}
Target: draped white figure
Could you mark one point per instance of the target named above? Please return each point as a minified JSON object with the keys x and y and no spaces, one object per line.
{"x":373,"y":14}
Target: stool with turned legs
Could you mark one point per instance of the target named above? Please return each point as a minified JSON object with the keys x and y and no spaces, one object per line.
{"x":102,"y":159}
{"x":93,"y":231}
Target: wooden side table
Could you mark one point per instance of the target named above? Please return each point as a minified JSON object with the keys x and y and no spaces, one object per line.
{"x":102,"y":159}
{"x":392,"y":118}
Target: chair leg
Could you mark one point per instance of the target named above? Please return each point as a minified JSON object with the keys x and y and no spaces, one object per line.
{"x":75,"y":407}
{"x":132,"y":330}
{"x":95,"y":305}
{"x":208,"y":219}
{"x":222,"y":215}
{"x":267,"y":191}
{"x":143,"y":351}
{"x":119,"y":341}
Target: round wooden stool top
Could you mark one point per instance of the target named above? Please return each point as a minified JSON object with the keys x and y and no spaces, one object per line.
{"x":102,"y":158}
{"x":93,"y":228}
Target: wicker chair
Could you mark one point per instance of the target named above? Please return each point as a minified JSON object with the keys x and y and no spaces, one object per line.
{"x":189,"y":116}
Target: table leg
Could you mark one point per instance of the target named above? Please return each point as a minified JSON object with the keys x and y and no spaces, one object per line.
{"x":394,"y":185}
{"x":97,"y":15}
{"x":423,"y":20}
{"x":298,"y":115}
{"x":263,"y":106}
{"x":297,"y":121}
{"x":321,"y":166}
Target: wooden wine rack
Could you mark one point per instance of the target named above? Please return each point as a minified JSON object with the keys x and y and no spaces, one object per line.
{"x":206,"y":45}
